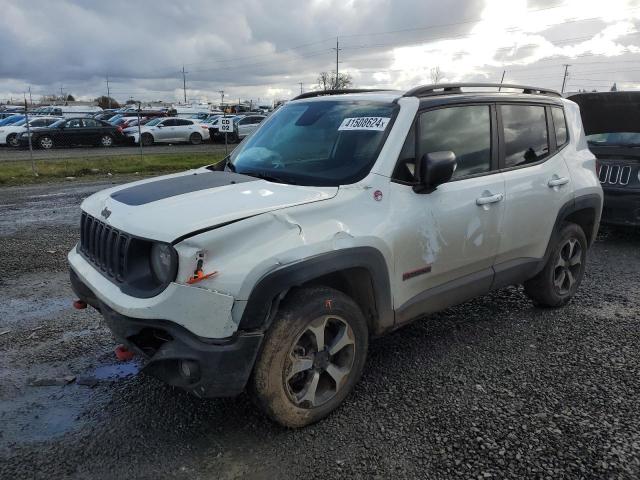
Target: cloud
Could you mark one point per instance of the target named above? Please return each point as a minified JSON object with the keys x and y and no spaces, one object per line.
{"x":257,"y":49}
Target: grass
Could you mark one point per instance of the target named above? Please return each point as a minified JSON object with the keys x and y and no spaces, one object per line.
{"x":20,"y":173}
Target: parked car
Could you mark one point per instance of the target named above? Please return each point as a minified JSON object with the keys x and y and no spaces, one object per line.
{"x":343,"y":217}
{"x":9,"y":135}
{"x":612,"y":124}
{"x":73,"y":131}
{"x":170,"y":130}
{"x":68,"y":111}
{"x":11,"y":119}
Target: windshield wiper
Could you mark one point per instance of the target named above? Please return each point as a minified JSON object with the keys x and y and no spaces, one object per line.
{"x":268,"y":177}
{"x":230,"y":165}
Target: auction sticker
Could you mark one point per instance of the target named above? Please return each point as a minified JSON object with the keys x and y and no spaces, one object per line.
{"x":365,"y":123}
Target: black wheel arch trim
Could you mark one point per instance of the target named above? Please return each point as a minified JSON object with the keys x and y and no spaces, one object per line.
{"x":589,"y":201}
{"x":267,"y":292}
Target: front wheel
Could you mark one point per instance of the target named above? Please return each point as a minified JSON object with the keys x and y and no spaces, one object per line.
{"x":561,"y":276}
{"x":313,"y":356}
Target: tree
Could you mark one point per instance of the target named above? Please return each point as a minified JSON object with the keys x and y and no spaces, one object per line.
{"x":70,"y":98}
{"x":436,"y":75}
{"x":614,"y":88}
{"x":131,"y":101}
{"x":106,"y":102}
{"x":328,"y":81}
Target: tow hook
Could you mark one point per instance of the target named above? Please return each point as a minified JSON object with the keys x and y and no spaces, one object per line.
{"x":79,"y":305}
{"x":123,"y":353}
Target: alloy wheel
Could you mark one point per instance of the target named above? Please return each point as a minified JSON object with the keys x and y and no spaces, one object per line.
{"x":320,"y":361}
{"x":568,"y":265}
{"x":106,"y":141}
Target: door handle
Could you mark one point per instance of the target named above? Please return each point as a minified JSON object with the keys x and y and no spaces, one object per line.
{"x":489,"y":199}
{"x":557,"y":182}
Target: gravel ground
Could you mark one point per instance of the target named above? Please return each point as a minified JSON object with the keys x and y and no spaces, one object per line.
{"x":13,"y":154}
{"x":494,"y":388}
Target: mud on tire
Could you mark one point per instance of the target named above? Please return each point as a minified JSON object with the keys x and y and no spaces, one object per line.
{"x":313,"y":354}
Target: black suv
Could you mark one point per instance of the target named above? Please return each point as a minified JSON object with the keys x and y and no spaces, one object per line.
{"x":612,"y":125}
{"x":73,"y":131}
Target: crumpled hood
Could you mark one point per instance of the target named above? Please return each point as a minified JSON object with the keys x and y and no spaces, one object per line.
{"x":609,"y":112}
{"x":169,"y":207}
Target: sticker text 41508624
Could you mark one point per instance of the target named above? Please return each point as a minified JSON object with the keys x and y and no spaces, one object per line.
{"x":365,"y":123}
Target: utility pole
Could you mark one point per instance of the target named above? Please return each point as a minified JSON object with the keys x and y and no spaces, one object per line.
{"x":61,"y":94}
{"x":300,"y":87}
{"x":184,"y":83}
{"x":221,"y":92}
{"x":566,"y":74}
{"x":502,"y":80}
{"x":337,"y":49}
{"x":30,"y":99}
{"x":108,"y":93}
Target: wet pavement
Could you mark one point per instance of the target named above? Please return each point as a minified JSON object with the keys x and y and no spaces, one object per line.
{"x":494,"y":388}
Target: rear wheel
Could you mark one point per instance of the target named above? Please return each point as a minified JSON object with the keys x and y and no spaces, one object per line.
{"x":147,"y":139}
{"x":313,"y":355}
{"x":561,"y":276}
{"x":45,"y":142}
{"x":195,"y":139}
{"x":12,"y":140}
{"x":106,"y":141}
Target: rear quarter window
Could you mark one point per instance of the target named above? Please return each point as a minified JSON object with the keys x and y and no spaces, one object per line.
{"x":560,"y":126}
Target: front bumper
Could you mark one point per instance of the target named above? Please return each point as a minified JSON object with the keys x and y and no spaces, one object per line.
{"x":176,"y":356}
{"x":205,"y":313}
{"x":621,"y":207}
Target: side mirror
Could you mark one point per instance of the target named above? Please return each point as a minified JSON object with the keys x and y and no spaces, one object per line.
{"x":159,"y":125}
{"x":436,"y":168}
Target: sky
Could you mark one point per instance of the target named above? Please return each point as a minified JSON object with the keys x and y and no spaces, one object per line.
{"x":264,"y":50}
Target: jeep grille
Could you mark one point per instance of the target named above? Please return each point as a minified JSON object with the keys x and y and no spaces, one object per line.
{"x":104,"y":246}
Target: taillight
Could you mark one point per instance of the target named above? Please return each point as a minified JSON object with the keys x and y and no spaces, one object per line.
{"x":204,"y":127}
{"x":597,"y":167}
{"x":120,"y":129}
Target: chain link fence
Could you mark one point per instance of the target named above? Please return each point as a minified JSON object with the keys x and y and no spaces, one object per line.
{"x":71,"y":134}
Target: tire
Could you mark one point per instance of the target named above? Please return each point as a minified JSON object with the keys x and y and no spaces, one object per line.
{"x":12,"y":140}
{"x":147,"y":139}
{"x":45,"y":142}
{"x":106,"y":141}
{"x":289,"y":398}
{"x":195,"y":139}
{"x":560,"y":278}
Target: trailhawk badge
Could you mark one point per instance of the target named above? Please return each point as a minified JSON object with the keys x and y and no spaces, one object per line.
{"x":106,"y":213}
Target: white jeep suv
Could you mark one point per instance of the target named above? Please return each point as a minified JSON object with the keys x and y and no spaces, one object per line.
{"x":344,"y":216}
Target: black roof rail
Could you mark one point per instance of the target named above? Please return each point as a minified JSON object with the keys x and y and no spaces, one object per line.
{"x":320,"y":93}
{"x":449,"y":88}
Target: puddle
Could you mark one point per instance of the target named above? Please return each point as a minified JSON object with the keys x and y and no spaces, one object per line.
{"x":17,"y":310}
{"x":42,"y":413}
{"x":117,"y":371}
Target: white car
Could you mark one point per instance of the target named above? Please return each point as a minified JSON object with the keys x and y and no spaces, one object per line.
{"x":10,"y":134}
{"x":170,"y":130}
{"x":342,"y":218}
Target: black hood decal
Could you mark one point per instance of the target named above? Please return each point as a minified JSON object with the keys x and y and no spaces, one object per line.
{"x":171,"y":187}
{"x":609,"y":112}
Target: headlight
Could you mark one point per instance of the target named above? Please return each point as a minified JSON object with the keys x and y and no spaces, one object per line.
{"x":164,"y":262}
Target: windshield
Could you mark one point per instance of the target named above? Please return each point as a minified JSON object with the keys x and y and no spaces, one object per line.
{"x":153,"y":122}
{"x":323,"y":143}
{"x":20,"y":123}
{"x":618,"y":139}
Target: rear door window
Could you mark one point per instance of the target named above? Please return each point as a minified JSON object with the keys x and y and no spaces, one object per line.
{"x":560,"y":126}
{"x":525,"y":134}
